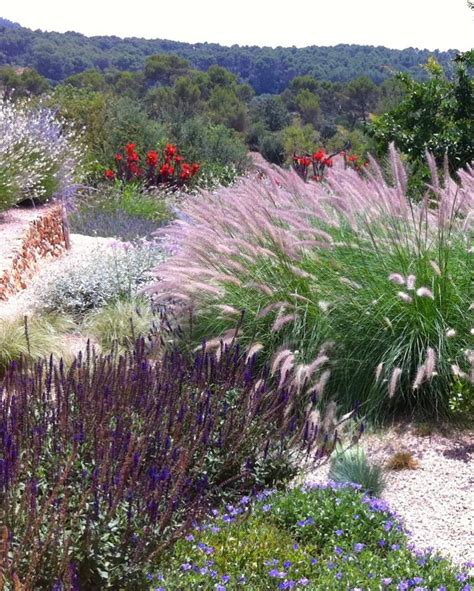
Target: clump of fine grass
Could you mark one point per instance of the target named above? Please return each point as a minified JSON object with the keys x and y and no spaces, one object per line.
{"x":351,"y":465}
{"x":403,"y":460}
{"x":31,"y":338}
{"x":121,"y":323}
{"x":350,"y":290}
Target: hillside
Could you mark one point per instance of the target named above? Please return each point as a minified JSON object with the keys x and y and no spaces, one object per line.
{"x":269,"y":70}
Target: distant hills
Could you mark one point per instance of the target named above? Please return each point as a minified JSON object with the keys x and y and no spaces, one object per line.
{"x":269,"y":70}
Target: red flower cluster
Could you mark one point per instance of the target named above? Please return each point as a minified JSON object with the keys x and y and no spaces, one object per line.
{"x":171,"y":170}
{"x":320,"y":161}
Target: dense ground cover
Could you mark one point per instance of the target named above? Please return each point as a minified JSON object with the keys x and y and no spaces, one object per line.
{"x":319,"y":537}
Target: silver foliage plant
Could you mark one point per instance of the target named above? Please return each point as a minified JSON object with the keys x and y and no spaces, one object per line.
{"x":348,"y":283}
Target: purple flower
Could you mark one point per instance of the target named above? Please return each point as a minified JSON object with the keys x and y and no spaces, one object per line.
{"x":462,"y":577}
{"x":303,"y":582}
{"x":287,"y":564}
{"x":339,"y":532}
{"x":278,"y":574}
{"x":286,"y":584}
{"x":266,"y":508}
{"x":186,"y":566}
{"x":339,"y":576}
{"x":386,"y":581}
{"x":395,"y":547}
{"x":338,"y":550}
{"x":359,"y":547}
{"x":225,"y":578}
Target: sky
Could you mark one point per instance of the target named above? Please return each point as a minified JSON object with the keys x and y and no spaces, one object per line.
{"x":426,"y":24}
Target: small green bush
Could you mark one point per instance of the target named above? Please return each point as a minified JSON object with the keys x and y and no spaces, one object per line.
{"x":352,"y":465}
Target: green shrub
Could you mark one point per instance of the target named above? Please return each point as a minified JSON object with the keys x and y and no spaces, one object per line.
{"x":352,"y":465}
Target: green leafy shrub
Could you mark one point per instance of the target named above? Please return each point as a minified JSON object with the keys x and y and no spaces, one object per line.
{"x":99,"y":277}
{"x":352,"y":465}
{"x":316,"y":537}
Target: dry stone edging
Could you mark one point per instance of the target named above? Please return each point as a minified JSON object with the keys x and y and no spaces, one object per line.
{"x":38,"y":235}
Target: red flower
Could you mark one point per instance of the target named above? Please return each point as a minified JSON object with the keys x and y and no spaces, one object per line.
{"x":170,"y":151}
{"x":109,"y":174}
{"x":328,"y":162}
{"x":178,"y":159}
{"x":319,"y":155}
{"x":195,"y":168}
{"x":118,"y":157}
{"x":152,"y":158}
{"x":130,"y":149}
{"x":166,"y":170}
{"x":134,"y":169}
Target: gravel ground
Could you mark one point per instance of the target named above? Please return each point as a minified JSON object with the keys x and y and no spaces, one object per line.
{"x":436,"y":501}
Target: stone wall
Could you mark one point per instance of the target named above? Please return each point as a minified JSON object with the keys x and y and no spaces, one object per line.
{"x":41,"y":238}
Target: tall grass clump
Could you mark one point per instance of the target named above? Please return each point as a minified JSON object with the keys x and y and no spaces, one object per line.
{"x":105,"y":464}
{"x":121,"y":323}
{"x":31,"y":338}
{"x":40,"y":155}
{"x":350,"y":290}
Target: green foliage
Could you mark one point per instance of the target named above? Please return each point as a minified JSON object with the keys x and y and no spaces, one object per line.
{"x":316,"y":537}
{"x":272,"y":148}
{"x":435,"y":116}
{"x":163,"y":69}
{"x":351,"y":465}
{"x":31,"y":338}
{"x":213,"y":144}
{"x":22,"y":82}
{"x":119,"y":324}
{"x":299,"y":139}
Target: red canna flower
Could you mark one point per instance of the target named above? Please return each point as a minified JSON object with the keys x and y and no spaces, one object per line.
{"x":109,"y":174}
{"x":118,"y":157}
{"x":130,"y":148}
{"x":152,"y":158}
{"x":195,"y":168}
{"x":319,"y":155}
{"x":328,"y":162}
{"x":170,"y":151}
{"x":178,"y":159}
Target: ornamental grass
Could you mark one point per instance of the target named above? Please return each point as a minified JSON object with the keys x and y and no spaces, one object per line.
{"x":349,"y":289}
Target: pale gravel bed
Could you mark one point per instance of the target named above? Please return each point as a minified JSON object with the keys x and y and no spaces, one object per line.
{"x":435,"y":501}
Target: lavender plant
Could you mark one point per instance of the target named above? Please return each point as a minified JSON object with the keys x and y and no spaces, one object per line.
{"x":40,"y":155}
{"x":350,"y":290}
{"x":105,"y":464}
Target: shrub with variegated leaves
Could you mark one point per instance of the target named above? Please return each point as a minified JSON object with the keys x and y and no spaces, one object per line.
{"x":39,"y":153}
{"x":350,"y":290}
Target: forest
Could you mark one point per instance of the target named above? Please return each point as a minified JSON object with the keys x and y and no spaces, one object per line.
{"x":57,"y":56}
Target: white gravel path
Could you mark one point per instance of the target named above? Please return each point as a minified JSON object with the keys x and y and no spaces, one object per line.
{"x":436,"y":501}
